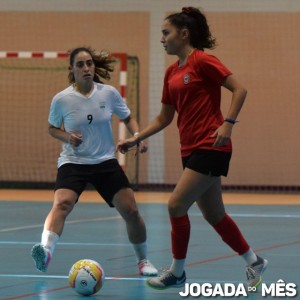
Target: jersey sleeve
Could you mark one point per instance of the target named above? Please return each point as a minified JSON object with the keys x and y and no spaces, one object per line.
{"x":119,"y":106}
{"x":55,"y":115}
{"x":212,"y":68}
{"x":166,"y":99}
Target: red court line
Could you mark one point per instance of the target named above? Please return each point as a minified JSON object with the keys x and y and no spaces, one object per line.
{"x":233,"y":255}
{"x":38,"y":293}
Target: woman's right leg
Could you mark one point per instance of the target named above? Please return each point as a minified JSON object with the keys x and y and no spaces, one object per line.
{"x":64,"y":201}
{"x":191,"y":186}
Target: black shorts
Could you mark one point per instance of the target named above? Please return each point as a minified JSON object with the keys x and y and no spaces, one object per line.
{"x":107,"y":178}
{"x":208,"y":162}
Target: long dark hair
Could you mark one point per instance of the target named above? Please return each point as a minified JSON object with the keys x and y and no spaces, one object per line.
{"x":195,"y":21}
{"x":102,"y":61}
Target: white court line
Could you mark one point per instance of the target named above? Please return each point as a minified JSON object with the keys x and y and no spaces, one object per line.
{"x":65,"y":277}
{"x":67,"y":222}
{"x":66,"y":244}
{"x":109,"y":278}
{"x":255,"y":215}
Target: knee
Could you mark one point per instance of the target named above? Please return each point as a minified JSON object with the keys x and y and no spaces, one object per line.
{"x":131,"y":215}
{"x":63,"y":205}
{"x":214,"y":218}
{"x":176,"y":209}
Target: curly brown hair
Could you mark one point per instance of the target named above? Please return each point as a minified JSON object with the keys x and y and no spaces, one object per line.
{"x":195,"y":21}
{"x":102,"y":60}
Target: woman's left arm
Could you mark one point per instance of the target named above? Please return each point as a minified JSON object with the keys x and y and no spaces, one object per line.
{"x":131,"y":124}
{"x":133,"y":127}
{"x":239,"y":94}
{"x":223,"y":133}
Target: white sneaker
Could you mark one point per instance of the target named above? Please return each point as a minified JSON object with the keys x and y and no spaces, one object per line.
{"x":166,"y":280}
{"x":41,"y":257}
{"x":255,"y":271}
{"x":146,"y":268}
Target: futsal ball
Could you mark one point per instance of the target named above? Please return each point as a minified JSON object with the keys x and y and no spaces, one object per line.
{"x":86,"y":277}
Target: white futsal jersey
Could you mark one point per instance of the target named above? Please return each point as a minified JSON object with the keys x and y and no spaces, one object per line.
{"x":92,"y":117}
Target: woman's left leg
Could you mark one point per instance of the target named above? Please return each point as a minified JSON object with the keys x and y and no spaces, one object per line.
{"x":212,"y":208}
{"x":124,"y":202}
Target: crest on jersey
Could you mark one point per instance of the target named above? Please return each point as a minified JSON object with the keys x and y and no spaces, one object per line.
{"x":102,"y":104}
{"x":186,"y":78}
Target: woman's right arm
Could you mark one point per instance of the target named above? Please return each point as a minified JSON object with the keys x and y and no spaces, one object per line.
{"x":73,"y":138}
{"x":164,"y":118}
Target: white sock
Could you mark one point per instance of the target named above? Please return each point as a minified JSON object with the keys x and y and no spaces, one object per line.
{"x":250,"y":257}
{"x":49,"y":240}
{"x":140,"y":250}
{"x":177,"y":267}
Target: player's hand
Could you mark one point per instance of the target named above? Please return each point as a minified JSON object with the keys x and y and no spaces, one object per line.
{"x":124,"y":146}
{"x":143,"y":147}
{"x":222,"y":134}
{"x":75,"y":139}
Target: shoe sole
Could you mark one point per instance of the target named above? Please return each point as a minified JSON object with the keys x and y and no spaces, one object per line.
{"x":38,"y":255}
{"x":165,"y":287}
{"x":148,"y":274}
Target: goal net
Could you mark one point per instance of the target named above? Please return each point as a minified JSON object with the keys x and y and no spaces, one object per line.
{"x":28,"y":81}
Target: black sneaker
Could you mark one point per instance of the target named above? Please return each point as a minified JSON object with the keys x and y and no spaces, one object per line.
{"x":166,"y":280}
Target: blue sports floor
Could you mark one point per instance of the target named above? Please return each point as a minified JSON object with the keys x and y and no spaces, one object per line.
{"x":95,"y":231}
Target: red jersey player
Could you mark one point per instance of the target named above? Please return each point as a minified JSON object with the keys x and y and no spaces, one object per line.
{"x":192,"y":88}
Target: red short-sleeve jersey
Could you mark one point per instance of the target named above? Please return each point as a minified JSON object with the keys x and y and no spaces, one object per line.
{"x":195,"y":91}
